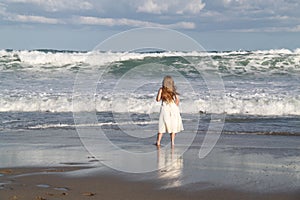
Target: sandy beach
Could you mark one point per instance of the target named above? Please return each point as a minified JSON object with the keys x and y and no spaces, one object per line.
{"x":51,"y":184}
{"x":54,"y":165}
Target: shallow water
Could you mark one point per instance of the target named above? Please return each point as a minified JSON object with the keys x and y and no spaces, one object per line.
{"x":261,"y":163}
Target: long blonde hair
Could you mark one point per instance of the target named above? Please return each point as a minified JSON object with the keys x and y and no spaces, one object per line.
{"x":168,"y":89}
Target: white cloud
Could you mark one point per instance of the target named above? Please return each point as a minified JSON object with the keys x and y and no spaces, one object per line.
{"x":194,"y":7}
{"x":57,"y":5}
{"x":26,"y":18}
{"x":2,"y":9}
{"x":129,"y":22}
{"x":87,"y":20}
{"x":269,"y":29}
{"x":33,"y":19}
{"x":282,"y":29}
{"x":295,"y":29}
{"x":249,"y":15}
{"x":280,"y":17}
{"x":170,"y":6}
{"x":264,"y":5}
{"x":150,"y":6}
{"x":211,"y":14}
{"x":141,"y":6}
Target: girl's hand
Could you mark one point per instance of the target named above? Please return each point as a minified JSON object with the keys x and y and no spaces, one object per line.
{"x":177,"y":100}
{"x":158,"y":97}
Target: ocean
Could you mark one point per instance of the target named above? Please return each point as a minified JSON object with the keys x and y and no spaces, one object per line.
{"x":261,"y":93}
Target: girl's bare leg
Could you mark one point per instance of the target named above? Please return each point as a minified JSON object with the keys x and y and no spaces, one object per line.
{"x":159,"y":136}
{"x":172,"y":136}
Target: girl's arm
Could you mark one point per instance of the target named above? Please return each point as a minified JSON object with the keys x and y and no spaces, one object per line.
{"x":177,"y":100}
{"x":158,"y":97}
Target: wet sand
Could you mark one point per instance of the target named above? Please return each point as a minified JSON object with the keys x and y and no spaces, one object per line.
{"x":54,"y":165}
{"x":52,"y":184}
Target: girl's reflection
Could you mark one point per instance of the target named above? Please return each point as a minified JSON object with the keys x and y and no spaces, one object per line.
{"x":170,"y":165}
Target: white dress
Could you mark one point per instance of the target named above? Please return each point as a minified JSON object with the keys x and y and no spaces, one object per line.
{"x":169,"y":119}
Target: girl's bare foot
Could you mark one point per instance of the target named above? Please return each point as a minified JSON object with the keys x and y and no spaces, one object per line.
{"x":159,"y":136}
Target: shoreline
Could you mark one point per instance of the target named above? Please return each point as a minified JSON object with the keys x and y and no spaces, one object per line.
{"x":52,"y":183}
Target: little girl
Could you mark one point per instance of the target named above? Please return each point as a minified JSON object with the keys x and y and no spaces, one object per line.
{"x":169,"y":119}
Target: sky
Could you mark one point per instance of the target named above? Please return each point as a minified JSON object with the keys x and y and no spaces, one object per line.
{"x":215,"y":24}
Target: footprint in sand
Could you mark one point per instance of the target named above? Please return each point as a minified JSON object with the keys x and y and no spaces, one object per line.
{"x":88,"y":194}
{"x":6,"y":171}
{"x":40,"y":198}
{"x":57,"y":194}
